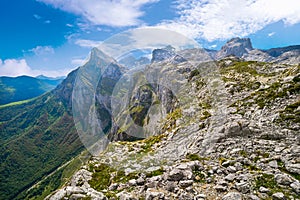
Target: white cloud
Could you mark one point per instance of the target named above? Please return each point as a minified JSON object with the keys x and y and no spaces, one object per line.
{"x":87,"y":43}
{"x":271,"y":34}
{"x":213,"y":46}
{"x":104,"y":12}
{"x":78,"y":61}
{"x":42,"y":50}
{"x":146,"y":38}
{"x":37,"y":17}
{"x":14,"y":67}
{"x":223,"y":19}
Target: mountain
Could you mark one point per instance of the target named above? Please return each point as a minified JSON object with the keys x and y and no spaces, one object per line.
{"x":24,"y":87}
{"x":38,"y":138}
{"x":225,"y":129}
{"x":163,"y":54}
{"x":42,"y":77}
{"x":131,"y":61}
{"x":236,"y":46}
{"x":242,"y":48}
{"x":183,"y":127}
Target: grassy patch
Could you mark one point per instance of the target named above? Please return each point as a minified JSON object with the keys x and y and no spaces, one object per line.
{"x":267,"y":181}
{"x":121,"y":177}
{"x":157,"y":172}
{"x":263,"y":154}
{"x":101,"y":177}
{"x":199,"y":177}
{"x":170,"y":122}
{"x":241,"y":68}
{"x":193,"y":73}
{"x":205,"y":115}
{"x":149,"y":142}
{"x":243,"y":153}
{"x":194,"y":157}
{"x":290,"y":114}
{"x":16,"y":103}
{"x":282,"y":168}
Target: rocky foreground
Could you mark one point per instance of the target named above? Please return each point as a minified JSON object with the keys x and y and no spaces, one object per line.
{"x":238,"y":137}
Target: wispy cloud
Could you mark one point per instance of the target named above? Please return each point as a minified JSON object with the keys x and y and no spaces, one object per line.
{"x":116,"y":13}
{"x":271,"y":34}
{"x":87,"y":43}
{"x":78,"y":61}
{"x":14,"y":67}
{"x":42,"y":50}
{"x":36,"y":16}
{"x":223,"y":19}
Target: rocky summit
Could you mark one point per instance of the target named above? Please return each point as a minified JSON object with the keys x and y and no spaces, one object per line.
{"x":230,"y":131}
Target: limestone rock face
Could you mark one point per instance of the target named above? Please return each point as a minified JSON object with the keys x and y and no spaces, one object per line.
{"x":236,"y":47}
{"x":230,"y":132}
{"x":242,"y":48}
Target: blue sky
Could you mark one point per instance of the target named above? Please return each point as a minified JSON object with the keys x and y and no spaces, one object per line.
{"x":52,"y":37}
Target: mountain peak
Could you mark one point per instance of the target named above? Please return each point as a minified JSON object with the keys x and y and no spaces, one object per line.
{"x":96,"y":53}
{"x":163,"y":54}
{"x":236,"y":46}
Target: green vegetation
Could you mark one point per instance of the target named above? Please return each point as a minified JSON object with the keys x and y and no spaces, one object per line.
{"x":205,"y":115}
{"x":15,"y":103}
{"x":23,"y":88}
{"x":170,"y":122}
{"x":36,"y":137}
{"x":194,"y":73}
{"x":222,"y":160}
{"x":265,"y":97}
{"x":205,"y":104}
{"x":139,"y":107}
{"x":243,"y":153}
{"x":267,"y":181}
{"x":199,"y":176}
{"x":241,"y":68}
{"x":262,"y":154}
{"x":101,"y":178}
{"x":150,"y":141}
{"x":121,"y":177}
{"x":55,"y":180}
{"x":194,"y":157}
{"x":281,"y":166}
{"x":104,"y":175}
{"x":157,"y":172}
{"x":291,"y":114}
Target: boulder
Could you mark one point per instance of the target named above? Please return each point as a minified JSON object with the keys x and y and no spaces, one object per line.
{"x":233,"y":196}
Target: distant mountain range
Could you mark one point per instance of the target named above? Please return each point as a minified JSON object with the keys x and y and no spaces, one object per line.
{"x":238,"y":47}
{"x":38,"y":136}
{"x":20,"y":88}
{"x":242,"y":48}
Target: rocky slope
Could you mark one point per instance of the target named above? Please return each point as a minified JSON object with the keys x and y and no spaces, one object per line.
{"x":231,"y":132}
